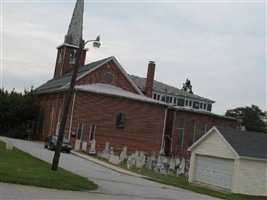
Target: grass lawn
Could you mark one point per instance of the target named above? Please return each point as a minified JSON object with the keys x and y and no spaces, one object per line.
{"x":19,"y":167}
{"x":181,"y":182}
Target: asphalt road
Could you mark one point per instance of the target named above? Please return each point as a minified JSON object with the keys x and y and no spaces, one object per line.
{"x":112,"y":184}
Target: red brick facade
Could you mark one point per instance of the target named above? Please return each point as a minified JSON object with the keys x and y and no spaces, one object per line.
{"x":97,"y":76}
{"x":63,"y":64}
{"x":144,"y":124}
{"x":190,"y":118}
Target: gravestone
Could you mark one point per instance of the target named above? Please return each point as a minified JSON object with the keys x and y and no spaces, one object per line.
{"x":77,"y":145}
{"x":111,"y":152}
{"x":114,"y":159}
{"x":105,"y":154}
{"x":159,"y":165}
{"x":181,"y":168}
{"x":142,"y":158}
{"x":172,"y":164}
{"x":123,"y":155}
{"x":84,"y":146}
{"x":148,"y":163}
{"x":92,"y":147}
{"x":139,"y":163}
{"x":9,"y":145}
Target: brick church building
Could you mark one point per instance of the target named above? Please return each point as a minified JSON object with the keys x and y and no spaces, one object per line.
{"x":109,"y":105}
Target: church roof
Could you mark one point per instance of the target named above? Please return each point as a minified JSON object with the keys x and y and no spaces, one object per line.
{"x":167,"y":89}
{"x":56,"y":84}
{"x":110,"y":90}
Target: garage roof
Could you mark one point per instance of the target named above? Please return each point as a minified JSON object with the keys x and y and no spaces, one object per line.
{"x":244,"y":143}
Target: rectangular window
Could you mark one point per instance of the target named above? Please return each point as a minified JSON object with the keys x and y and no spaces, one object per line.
{"x":158,"y":97}
{"x":92,"y":132}
{"x":209,"y":107}
{"x":79,"y":132}
{"x":180,"y":102}
{"x":186,"y":102}
{"x":192,"y":133}
{"x":170,"y":99}
{"x":203,"y":129}
{"x":190,"y":103}
{"x":174,"y":101}
{"x":167,"y":99}
{"x":154,"y":96}
{"x":180,"y":137}
{"x":195,"y":104}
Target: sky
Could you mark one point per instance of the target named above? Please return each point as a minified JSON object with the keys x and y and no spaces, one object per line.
{"x":220,"y":46}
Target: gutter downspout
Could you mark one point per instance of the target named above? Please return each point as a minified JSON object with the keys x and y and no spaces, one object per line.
{"x":163,"y":132}
{"x":173,"y":125}
{"x":72,"y":111}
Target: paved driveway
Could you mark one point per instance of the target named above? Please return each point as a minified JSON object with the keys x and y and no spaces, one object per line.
{"x":112,"y":184}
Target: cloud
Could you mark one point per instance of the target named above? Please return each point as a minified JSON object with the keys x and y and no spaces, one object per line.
{"x":219,"y":46}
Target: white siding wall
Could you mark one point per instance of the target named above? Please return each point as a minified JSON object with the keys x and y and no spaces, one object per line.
{"x":214,"y":146}
{"x":251,"y":177}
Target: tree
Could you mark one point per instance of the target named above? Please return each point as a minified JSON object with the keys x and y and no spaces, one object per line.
{"x":253,"y":118}
{"x":187,"y":86}
{"x":18,"y":112}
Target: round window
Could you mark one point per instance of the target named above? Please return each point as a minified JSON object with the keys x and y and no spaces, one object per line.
{"x":108,"y":78}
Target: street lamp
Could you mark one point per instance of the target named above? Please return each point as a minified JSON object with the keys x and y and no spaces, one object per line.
{"x":96,"y":43}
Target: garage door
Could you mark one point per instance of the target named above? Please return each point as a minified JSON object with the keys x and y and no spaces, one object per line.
{"x":214,"y":171}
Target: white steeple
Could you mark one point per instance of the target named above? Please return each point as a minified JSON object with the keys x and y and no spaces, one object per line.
{"x":76,"y":25}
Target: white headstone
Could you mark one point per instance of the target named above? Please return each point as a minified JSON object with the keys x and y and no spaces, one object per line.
{"x":114,"y":159}
{"x":123,"y":154}
{"x":172,"y":165}
{"x":106,"y":147}
{"x":142,"y":157}
{"x":92,"y":147}
{"x":181,"y":168}
{"x":77,"y":145}
{"x":84,"y":146}
{"x":9,"y":145}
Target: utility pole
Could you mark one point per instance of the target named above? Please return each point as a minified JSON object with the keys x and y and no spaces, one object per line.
{"x":66,"y":108}
{"x":96,"y":43}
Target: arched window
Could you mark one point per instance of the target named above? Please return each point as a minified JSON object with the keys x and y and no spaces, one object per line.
{"x":180,"y":137}
{"x":120,"y":120}
{"x":192,"y":133}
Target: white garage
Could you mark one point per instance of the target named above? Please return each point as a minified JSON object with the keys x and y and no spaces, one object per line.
{"x":230,"y":159}
{"x":214,"y":171}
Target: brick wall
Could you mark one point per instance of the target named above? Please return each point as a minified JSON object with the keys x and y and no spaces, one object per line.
{"x":143,"y":127}
{"x":63,"y":62}
{"x":51,"y":111}
{"x":97,"y":76}
{"x":210,"y":120}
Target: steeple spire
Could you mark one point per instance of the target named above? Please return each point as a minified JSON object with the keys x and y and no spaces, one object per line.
{"x":67,"y":52}
{"x":76,"y":25}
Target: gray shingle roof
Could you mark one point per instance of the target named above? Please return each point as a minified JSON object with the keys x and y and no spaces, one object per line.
{"x":116,"y":91}
{"x":56,"y":83}
{"x":164,"y":88}
{"x":246,"y":143}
